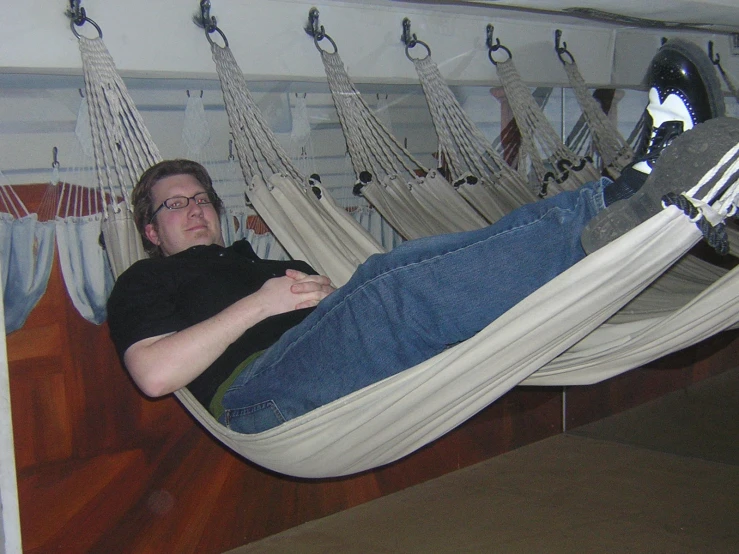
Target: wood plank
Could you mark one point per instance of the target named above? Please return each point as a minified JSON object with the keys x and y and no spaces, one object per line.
{"x":61,"y":491}
{"x":34,"y":342}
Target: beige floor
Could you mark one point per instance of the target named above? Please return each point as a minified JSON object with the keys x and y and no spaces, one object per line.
{"x":661,"y":478}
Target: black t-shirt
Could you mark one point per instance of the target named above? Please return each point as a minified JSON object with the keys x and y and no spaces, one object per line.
{"x":164,"y":295}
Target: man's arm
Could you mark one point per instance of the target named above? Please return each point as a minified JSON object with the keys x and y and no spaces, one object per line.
{"x":164,"y":363}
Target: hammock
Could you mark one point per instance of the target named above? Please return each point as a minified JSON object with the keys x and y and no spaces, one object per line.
{"x":476,"y":169}
{"x":528,"y":345}
{"x":389,"y":419}
{"x":415,"y":201}
{"x":78,"y":218}
{"x":85,"y":268}
{"x":27,"y":249}
{"x":122,"y":146}
{"x":555,"y":166}
{"x":303,"y":217}
{"x":613,"y":149}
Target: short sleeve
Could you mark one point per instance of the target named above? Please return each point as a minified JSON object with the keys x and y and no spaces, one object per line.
{"x":143,"y":304}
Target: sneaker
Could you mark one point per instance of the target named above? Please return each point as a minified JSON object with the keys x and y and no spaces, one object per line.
{"x":684,"y":92}
{"x":681,"y":166}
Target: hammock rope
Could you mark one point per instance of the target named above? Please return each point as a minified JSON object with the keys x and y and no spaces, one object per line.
{"x":122,"y":147}
{"x":614,"y":150}
{"x":301,"y":215}
{"x":555,"y":166}
{"x":415,"y":201}
{"x":496,"y":188}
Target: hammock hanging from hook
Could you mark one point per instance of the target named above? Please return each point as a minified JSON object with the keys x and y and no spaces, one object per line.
{"x":26,"y":252}
{"x":555,"y":166}
{"x":298,"y":210}
{"x":122,"y":146}
{"x":415,"y":201}
{"x":614,"y":150}
{"x":476,"y":169}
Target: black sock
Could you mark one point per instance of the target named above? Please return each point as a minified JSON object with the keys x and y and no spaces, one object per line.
{"x":625,"y":186}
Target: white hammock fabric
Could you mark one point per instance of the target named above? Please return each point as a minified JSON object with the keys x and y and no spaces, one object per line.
{"x":123,"y":150}
{"x":407,"y":200}
{"x":556,"y":167}
{"x":466,"y":152}
{"x":390,"y":419}
{"x":556,"y":336}
{"x":78,"y":218}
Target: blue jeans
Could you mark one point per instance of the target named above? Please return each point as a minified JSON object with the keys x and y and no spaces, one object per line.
{"x":404,"y":307}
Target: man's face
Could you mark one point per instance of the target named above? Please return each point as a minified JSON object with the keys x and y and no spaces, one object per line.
{"x":177,"y":230}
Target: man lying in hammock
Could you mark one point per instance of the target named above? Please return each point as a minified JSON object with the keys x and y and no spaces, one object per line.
{"x":260,"y":342}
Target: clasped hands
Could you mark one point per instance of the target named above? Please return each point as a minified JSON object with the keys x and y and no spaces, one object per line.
{"x":296,"y":290}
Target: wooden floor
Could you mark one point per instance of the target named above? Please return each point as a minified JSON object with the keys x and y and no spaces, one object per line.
{"x":102,"y":469}
{"x":661,"y":477}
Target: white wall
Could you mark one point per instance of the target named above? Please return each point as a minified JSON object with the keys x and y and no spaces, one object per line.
{"x":10,"y":531}
{"x":158,"y":38}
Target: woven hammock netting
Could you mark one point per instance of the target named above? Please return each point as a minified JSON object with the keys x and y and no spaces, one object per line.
{"x":123,"y":149}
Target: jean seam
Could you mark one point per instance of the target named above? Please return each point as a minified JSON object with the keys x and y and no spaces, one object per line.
{"x":253,"y":408}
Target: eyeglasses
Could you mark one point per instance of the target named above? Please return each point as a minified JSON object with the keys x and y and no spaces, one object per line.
{"x":179,"y":202}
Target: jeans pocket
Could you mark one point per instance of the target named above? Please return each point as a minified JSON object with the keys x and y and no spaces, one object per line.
{"x":255,"y":418}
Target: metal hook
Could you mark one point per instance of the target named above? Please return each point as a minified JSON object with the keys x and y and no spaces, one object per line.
{"x":78,"y":17}
{"x":231,"y":150}
{"x":205,"y":21}
{"x":715,"y":59}
{"x":410,"y":40}
{"x":76,"y":12}
{"x":316,"y":30}
{"x":561,"y":48}
{"x":494,"y":47}
{"x":55,"y":154}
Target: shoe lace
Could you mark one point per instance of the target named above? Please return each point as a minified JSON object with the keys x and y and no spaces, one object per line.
{"x":662,"y":137}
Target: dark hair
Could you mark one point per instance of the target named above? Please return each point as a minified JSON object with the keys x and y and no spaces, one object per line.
{"x":142,"y":201}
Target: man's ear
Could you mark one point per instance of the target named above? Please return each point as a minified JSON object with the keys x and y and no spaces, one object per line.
{"x":151,"y":233}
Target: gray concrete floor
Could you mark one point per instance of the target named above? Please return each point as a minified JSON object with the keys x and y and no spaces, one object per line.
{"x":660,"y":478}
